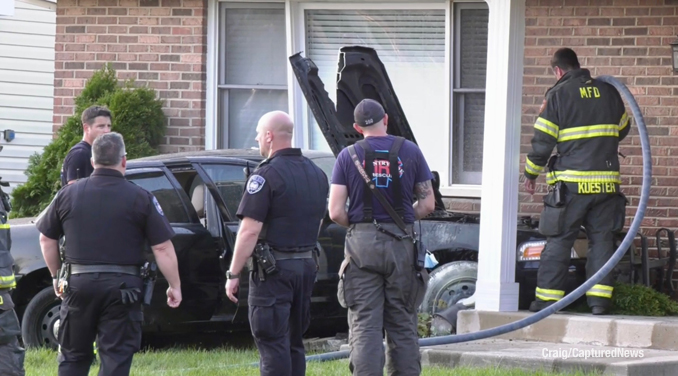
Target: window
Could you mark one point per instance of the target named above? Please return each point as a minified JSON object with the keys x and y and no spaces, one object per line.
{"x":468,"y":93}
{"x":159,"y":185}
{"x":230,"y":182}
{"x":252,"y":69}
{"x":410,"y":43}
{"x":435,"y":55}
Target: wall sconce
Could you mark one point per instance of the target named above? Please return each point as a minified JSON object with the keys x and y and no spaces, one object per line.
{"x":674,"y":55}
{"x":8,"y":135}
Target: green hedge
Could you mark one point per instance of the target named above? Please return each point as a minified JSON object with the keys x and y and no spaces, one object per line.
{"x":137,"y":115}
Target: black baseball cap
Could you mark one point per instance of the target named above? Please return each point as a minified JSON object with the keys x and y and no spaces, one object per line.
{"x":368,"y":112}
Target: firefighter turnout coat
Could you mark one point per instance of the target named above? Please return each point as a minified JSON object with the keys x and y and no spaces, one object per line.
{"x":584,"y":119}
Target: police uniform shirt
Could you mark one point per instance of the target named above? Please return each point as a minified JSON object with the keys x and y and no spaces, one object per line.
{"x":77,"y":163}
{"x":259,"y":193}
{"x":292,"y":205}
{"x":106,"y":219}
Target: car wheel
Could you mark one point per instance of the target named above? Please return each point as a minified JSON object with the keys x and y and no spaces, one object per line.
{"x":449,"y":284}
{"x":40,"y":322}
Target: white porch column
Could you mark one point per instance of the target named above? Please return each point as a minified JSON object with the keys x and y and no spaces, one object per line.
{"x":496,"y":289}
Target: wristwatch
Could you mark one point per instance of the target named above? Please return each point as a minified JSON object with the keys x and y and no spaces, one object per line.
{"x":230,"y":275}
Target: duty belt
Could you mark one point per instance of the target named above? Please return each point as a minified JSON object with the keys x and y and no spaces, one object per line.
{"x":291,"y":255}
{"x":122,"y":269}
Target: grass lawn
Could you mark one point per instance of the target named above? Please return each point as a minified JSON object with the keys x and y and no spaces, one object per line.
{"x":226,"y":361}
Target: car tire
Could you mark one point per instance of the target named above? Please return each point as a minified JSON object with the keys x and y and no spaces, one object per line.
{"x":40,"y":316}
{"x":449,"y":284}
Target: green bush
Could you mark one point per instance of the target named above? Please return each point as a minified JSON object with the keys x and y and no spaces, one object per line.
{"x":424,"y":325}
{"x":640,"y":300}
{"x":137,"y":115}
{"x":633,"y":300}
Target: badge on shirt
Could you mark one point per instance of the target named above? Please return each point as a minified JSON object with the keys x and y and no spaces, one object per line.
{"x":255,"y":184}
{"x":157,"y":206}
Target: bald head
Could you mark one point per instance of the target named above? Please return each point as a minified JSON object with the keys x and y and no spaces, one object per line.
{"x":277,"y":122}
{"x":274,"y":132}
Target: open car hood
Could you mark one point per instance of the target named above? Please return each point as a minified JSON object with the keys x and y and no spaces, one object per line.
{"x":360,"y":75}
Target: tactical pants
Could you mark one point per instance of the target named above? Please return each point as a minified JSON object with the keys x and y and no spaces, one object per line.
{"x":602,"y":215}
{"x":11,"y":354}
{"x":382,"y":291}
{"x":93,"y":306}
{"x":280,"y":314}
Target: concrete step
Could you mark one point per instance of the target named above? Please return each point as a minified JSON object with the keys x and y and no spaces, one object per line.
{"x":533,"y":356}
{"x":638,"y":332}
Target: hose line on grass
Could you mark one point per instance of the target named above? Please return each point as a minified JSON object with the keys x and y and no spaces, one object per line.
{"x":581,"y":290}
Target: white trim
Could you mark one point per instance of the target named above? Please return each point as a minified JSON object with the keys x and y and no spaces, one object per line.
{"x":47,"y":4}
{"x":373,"y":5}
{"x":297,"y":101}
{"x":211,"y":91}
{"x":496,"y":289}
{"x":445,"y":175}
{"x":461,"y":190}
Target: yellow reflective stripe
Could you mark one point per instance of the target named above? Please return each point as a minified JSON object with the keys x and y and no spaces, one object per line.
{"x":572,"y":176}
{"x":4,"y":227}
{"x":602,"y":291}
{"x":546,"y":127}
{"x":624,"y":121}
{"x":7,"y":285}
{"x":532,"y":168}
{"x":589,"y":131}
{"x":546,"y":294}
{"x":1,"y":301}
{"x":603,"y":287}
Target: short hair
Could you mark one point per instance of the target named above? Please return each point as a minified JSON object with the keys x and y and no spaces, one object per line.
{"x":108,"y":149}
{"x":566,"y":59}
{"x":94,"y":112}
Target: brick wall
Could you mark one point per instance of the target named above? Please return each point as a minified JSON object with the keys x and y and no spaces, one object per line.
{"x":628,"y":41}
{"x":161,"y":43}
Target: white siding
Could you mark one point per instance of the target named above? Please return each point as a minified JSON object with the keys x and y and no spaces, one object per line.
{"x":26,"y":85}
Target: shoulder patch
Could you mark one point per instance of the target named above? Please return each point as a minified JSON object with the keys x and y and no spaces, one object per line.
{"x":255,"y":184}
{"x":157,"y":206}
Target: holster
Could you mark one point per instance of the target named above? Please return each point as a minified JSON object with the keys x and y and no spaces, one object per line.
{"x":149,"y":273}
{"x":265,"y":262}
{"x":63,"y":277}
{"x":419,"y":253}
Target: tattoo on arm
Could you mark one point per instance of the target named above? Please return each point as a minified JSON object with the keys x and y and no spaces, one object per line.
{"x":422,"y":189}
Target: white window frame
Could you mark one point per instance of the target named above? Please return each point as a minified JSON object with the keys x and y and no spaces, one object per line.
{"x":298,"y":108}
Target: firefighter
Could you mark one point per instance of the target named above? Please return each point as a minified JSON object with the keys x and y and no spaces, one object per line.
{"x":584,"y":119}
{"x":11,"y":354}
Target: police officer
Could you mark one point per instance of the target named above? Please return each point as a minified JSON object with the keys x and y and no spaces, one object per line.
{"x":96,"y":120}
{"x":107,"y":220}
{"x":11,"y":354}
{"x":584,"y":119}
{"x":282,"y":207}
{"x":380,"y":284}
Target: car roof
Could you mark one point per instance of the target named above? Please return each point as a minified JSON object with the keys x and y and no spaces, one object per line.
{"x":249,"y":154}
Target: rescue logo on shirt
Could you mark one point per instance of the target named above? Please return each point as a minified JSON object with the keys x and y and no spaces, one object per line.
{"x":255,"y":184}
{"x":157,"y":206}
{"x":381,"y":174}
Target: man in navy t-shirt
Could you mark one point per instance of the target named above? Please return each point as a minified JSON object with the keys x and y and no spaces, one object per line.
{"x":96,"y":120}
{"x":378,"y":281}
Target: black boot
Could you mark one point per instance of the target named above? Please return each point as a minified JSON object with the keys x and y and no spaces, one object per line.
{"x":598,"y":310}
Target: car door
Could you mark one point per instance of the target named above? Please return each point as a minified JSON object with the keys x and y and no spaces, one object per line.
{"x":196,"y":251}
{"x":225,"y":178}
